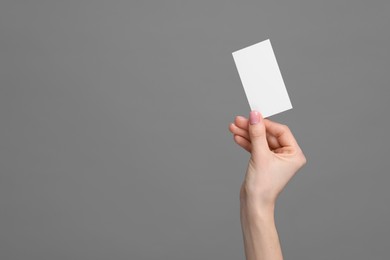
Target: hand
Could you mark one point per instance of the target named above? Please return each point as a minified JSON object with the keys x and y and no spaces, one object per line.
{"x":275,"y":158}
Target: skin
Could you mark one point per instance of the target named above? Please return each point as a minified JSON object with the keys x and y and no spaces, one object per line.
{"x":275,"y":157}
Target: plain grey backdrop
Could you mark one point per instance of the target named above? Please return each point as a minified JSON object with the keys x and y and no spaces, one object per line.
{"x":114,"y":116}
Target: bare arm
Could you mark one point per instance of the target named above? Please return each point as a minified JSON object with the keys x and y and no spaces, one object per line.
{"x":275,"y":158}
{"x":261,"y":240}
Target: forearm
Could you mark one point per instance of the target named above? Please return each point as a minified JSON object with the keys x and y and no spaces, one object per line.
{"x":261,"y":241}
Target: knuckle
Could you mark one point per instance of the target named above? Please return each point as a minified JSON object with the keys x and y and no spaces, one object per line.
{"x":285,"y":128}
{"x":302,"y":159}
{"x":256,"y":131}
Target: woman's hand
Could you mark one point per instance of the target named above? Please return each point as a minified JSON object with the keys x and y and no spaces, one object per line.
{"x":275,"y":157}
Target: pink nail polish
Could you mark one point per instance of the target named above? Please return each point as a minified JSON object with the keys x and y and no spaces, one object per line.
{"x":254,"y":117}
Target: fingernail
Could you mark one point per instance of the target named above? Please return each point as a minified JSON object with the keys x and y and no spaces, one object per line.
{"x":254,"y":117}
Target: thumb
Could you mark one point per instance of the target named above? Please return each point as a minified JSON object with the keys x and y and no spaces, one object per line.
{"x":257,"y":133}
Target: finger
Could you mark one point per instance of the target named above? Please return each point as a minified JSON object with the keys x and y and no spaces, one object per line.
{"x":241,"y":122}
{"x":241,"y":141}
{"x":239,"y":131}
{"x":257,"y":134}
{"x":273,"y":142}
{"x":282,"y":133}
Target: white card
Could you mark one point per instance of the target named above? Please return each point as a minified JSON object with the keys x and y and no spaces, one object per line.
{"x":261,"y":78}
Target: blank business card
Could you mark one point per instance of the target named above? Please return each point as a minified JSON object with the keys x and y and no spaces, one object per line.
{"x":261,"y":78}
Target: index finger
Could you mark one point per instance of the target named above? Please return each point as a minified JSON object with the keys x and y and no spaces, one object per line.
{"x":281,"y":132}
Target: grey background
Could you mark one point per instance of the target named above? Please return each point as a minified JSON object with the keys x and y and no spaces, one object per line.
{"x":114,"y":139}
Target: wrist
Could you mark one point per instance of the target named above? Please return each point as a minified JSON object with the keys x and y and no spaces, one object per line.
{"x":252,"y":201}
{"x":257,"y":209}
